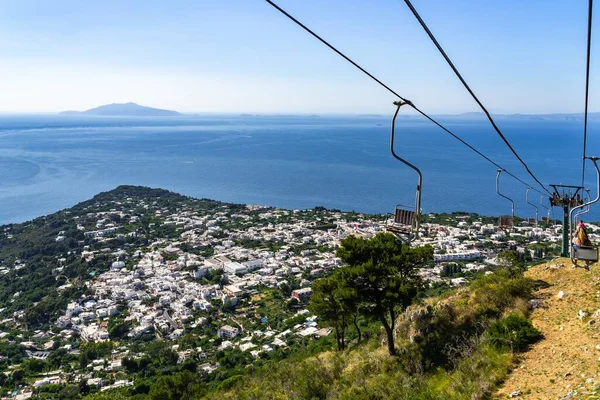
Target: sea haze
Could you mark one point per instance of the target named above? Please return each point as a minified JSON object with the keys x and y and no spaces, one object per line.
{"x":49,"y":163}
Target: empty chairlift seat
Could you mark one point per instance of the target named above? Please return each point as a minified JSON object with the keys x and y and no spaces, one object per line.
{"x":404,"y":220}
{"x":404,"y":217}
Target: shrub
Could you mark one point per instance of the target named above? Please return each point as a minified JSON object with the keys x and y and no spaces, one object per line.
{"x":494,"y":293}
{"x":514,"y":332}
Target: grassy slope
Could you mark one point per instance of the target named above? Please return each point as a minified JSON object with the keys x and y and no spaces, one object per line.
{"x":566,"y":359}
{"x":368,"y":372}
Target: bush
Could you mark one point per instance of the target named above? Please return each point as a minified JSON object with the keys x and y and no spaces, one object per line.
{"x":514,"y":332}
{"x":496,"y":292}
{"x":475,"y":376}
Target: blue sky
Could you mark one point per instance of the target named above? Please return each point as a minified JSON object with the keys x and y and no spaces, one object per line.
{"x":243,"y":56}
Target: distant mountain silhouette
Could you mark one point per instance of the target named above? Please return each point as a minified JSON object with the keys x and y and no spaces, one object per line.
{"x":124,"y":109}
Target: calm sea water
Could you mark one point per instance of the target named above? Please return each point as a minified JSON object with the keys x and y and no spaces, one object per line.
{"x":48,"y":163}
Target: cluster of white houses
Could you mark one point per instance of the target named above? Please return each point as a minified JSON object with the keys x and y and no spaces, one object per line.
{"x":173,"y":285}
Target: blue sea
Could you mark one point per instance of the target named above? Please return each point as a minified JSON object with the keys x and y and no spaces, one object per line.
{"x":52,"y":162}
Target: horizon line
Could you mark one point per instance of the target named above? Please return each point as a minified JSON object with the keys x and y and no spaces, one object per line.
{"x":306,"y":114}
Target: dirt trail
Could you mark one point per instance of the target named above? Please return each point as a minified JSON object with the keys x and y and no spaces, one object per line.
{"x":567,"y":359}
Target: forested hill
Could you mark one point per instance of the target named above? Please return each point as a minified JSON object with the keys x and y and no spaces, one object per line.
{"x":41,"y":267}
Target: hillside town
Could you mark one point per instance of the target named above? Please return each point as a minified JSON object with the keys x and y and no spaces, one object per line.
{"x":160,"y":270}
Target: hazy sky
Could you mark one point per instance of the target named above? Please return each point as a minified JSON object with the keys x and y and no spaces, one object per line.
{"x":243,"y":56}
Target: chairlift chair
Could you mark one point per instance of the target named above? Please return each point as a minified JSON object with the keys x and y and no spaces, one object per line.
{"x":406,"y":221}
{"x":507,"y":221}
{"x":589,"y":254}
{"x":403,"y":221}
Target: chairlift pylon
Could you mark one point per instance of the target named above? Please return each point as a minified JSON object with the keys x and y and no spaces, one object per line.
{"x":406,"y":222}
{"x":506,"y":222}
{"x":589,"y":254}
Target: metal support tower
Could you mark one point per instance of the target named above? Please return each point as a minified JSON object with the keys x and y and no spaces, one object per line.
{"x":568,"y":198}
{"x":566,"y":241}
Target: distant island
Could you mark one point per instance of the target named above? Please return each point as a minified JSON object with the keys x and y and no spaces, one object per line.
{"x":124,"y":110}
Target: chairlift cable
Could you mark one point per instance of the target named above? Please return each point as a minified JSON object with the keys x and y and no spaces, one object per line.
{"x":300,"y":24}
{"x":587,"y":87}
{"x":466,"y":85}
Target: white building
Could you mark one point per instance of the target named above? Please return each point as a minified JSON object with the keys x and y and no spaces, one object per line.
{"x":235,"y":268}
{"x":227,"y":332}
{"x":254,"y":264}
{"x":465,"y":255}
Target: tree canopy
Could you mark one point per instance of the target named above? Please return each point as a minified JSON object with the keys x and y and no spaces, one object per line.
{"x":379,"y":280}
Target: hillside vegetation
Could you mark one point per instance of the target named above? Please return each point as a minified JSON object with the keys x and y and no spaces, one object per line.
{"x":457,"y":346}
{"x":471,"y":343}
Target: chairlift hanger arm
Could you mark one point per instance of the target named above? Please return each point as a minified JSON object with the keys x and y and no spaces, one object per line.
{"x":584,"y":210}
{"x":589,"y":203}
{"x":548,"y":209}
{"x":501,"y":195}
{"x":398,"y":105}
{"x":542,"y":203}
{"x":531,"y":204}
{"x":588,"y":198}
{"x":586,"y":207}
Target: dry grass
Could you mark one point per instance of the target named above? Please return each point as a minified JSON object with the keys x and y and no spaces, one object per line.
{"x":567,"y":359}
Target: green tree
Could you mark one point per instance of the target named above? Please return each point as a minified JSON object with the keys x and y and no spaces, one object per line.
{"x":130,"y":365}
{"x":69,"y":392}
{"x":349,"y":300}
{"x":325,"y":303}
{"x":511,"y":261}
{"x":227,"y":307}
{"x":383,"y":272}
{"x":117,"y":328}
{"x":161,"y":354}
{"x":115,"y":394}
{"x":18,"y":375}
{"x":33,"y":366}
{"x":181,"y":386}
